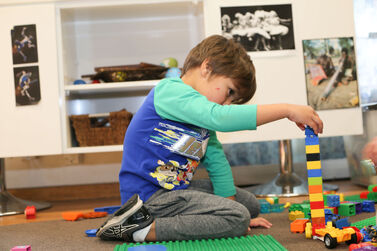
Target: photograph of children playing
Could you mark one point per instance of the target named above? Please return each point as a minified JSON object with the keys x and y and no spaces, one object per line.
{"x":331,"y":78}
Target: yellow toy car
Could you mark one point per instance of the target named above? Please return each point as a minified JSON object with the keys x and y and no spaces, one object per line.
{"x":331,"y":236}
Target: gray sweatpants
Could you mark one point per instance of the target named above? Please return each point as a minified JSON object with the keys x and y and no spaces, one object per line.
{"x":196,"y":213}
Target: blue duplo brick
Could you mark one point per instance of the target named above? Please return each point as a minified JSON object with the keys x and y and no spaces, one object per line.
{"x":311,"y":138}
{"x":333,"y":200}
{"x":314,"y":173}
{"x":309,"y":141}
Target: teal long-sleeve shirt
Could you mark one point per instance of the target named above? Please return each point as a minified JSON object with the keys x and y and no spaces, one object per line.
{"x":179,"y":102}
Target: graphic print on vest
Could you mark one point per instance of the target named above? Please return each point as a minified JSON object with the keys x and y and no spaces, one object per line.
{"x":171,"y":174}
{"x":190,"y":142}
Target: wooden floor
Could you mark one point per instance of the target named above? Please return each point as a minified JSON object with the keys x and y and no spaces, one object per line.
{"x":87,"y":205}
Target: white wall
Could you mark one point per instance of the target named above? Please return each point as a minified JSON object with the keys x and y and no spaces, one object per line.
{"x":281,"y":79}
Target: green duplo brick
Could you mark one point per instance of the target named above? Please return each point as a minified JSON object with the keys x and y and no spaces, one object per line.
{"x":370,"y":188}
{"x":296,"y":207}
{"x":325,"y":199}
{"x":276,"y":200}
{"x":365,"y":223}
{"x":315,"y":181}
{"x":306,"y":210}
{"x":244,"y":243}
{"x":347,"y":209}
{"x":355,"y":197}
{"x":372,"y":196}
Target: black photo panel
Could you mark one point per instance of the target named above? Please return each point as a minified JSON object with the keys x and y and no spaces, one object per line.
{"x":27,"y":85}
{"x":259,"y":27}
{"x":24,"y":44}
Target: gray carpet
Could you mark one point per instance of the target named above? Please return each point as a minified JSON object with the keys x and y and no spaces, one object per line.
{"x":64,"y":235}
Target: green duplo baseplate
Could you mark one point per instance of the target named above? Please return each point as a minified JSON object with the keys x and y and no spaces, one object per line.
{"x":364,"y":223}
{"x":244,"y":243}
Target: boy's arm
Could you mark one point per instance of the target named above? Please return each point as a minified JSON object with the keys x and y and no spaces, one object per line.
{"x":177,"y":101}
{"x":300,"y":114}
{"x":218,"y":168}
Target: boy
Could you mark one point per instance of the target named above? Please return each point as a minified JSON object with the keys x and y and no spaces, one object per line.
{"x":175,"y":129}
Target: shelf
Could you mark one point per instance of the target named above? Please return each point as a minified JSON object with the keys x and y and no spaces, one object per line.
{"x":91,"y":34}
{"x":111,"y":87}
{"x":94,"y":149}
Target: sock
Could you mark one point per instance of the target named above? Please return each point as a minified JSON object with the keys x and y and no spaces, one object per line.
{"x":139,"y":235}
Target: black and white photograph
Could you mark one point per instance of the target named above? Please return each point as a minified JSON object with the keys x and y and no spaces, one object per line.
{"x":27,"y":85}
{"x":24,"y":44}
{"x":330,"y":70}
{"x":259,"y":27}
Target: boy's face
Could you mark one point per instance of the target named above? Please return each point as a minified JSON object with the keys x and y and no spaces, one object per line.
{"x":219,"y":89}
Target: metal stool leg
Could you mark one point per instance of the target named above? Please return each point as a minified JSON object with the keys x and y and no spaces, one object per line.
{"x":287,"y":183}
{"x":10,"y":204}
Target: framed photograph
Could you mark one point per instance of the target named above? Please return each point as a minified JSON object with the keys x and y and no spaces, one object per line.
{"x":261,"y":29}
{"x":330,"y":70}
{"x":24,"y":44}
{"x":27,"y":85}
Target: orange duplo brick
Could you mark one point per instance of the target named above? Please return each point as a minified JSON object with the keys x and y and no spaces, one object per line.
{"x":72,"y":216}
{"x":91,"y":215}
{"x":315,"y":189}
{"x":298,"y":226}
{"x":319,"y":222}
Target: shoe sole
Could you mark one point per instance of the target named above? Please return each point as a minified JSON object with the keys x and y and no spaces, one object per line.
{"x":118,"y":218}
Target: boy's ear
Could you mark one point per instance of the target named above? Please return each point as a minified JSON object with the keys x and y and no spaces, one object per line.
{"x":204,"y":68}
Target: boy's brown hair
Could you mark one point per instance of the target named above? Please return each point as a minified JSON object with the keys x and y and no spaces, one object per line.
{"x":226,"y":58}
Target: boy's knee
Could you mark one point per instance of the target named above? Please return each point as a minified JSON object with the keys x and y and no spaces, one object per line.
{"x":255,"y":210}
{"x":240,"y":220}
{"x":253,"y":206}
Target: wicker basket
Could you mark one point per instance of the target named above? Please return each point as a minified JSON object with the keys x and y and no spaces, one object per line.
{"x":93,"y":132}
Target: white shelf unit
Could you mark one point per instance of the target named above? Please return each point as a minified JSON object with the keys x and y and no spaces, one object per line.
{"x":110,"y":87}
{"x":109,"y":33}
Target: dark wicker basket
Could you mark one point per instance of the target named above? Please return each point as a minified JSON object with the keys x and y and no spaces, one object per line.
{"x":92,"y":132}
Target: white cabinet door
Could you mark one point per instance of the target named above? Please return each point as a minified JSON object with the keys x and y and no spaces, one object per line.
{"x":30,"y":126}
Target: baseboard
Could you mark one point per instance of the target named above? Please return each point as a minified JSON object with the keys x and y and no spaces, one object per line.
{"x":64,"y":193}
{"x":243,"y":176}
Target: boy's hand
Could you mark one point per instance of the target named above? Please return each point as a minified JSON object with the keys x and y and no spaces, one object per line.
{"x":300,"y":114}
{"x":305,"y":115}
{"x":259,"y":222}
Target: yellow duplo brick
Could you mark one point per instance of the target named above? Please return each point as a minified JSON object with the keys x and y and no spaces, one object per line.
{"x":341,"y":197}
{"x":313,"y":164}
{"x":312,"y":149}
{"x":316,"y":197}
{"x":316,"y":213}
{"x":296,"y":215}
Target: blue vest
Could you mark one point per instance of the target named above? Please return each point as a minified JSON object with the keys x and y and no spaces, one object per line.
{"x":159,"y":153}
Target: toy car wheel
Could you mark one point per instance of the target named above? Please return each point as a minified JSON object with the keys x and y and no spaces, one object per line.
{"x":330,"y":242}
{"x":353,"y":239}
